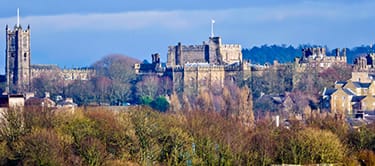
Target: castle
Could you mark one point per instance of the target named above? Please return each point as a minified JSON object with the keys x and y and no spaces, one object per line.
{"x":317,"y":58}
{"x":365,"y":63}
{"x":195,"y":67}
{"x":19,"y":72}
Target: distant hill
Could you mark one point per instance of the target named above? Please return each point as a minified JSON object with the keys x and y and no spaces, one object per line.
{"x":284,"y":53}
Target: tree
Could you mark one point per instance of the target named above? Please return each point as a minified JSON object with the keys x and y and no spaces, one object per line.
{"x":43,"y":147}
{"x":48,"y":82}
{"x":11,"y":131}
{"x":119,"y":70}
{"x":310,"y":146}
{"x":83,"y":92}
{"x":160,"y":103}
{"x":102,"y":87}
{"x":204,"y":101}
{"x":116,"y":67}
{"x":148,"y":86}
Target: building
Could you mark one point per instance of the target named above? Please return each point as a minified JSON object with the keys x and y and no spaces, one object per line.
{"x":317,"y":58}
{"x":195,"y":67}
{"x":19,"y":71}
{"x":365,"y":63}
{"x":213,"y":52}
{"x":351,"y":96}
{"x":18,"y":57}
{"x":12,"y":101}
{"x":66,"y":75}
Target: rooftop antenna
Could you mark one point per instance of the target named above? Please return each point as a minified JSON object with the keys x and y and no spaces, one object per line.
{"x":18,"y":17}
{"x":212,"y":27}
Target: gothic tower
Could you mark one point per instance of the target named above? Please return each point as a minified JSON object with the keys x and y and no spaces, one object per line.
{"x":17,"y":60}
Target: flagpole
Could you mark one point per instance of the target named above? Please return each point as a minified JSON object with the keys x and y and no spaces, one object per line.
{"x":18,"y":17}
{"x":212,"y":27}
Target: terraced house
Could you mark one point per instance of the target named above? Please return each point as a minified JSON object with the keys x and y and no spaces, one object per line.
{"x":351,"y":96}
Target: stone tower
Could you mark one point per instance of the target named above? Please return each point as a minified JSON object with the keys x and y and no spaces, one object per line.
{"x":17,"y":60}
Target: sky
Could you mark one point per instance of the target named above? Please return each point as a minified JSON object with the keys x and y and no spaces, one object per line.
{"x":76,"y":33}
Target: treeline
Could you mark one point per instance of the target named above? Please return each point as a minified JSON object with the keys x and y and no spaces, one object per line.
{"x":140,"y":136}
{"x":115,"y":83}
{"x":284,"y":53}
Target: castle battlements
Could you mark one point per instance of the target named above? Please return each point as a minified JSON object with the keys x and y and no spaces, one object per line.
{"x":193,"y":47}
{"x":317,"y":57}
{"x":231,"y":46}
{"x":202,"y":67}
{"x":197,"y":66}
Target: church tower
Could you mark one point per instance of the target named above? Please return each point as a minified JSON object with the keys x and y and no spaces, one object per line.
{"x":17,"y":60}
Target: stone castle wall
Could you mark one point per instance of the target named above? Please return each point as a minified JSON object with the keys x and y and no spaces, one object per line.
{"x":64,"y":74}
{"x":213,"y":52}
{"x":203,"y":76}
{"x":231,"y":53}
{"x":193,"y":53}
{"x":195,"y":67}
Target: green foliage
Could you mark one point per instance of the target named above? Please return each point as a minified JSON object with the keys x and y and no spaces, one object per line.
{"x":160,"y":103}
{"x":42,"y":147}
{"x":145,"y":100}
{"x":310,"y":146}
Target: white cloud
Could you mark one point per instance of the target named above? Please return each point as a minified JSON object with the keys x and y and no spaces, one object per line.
{"x":184,"y":19}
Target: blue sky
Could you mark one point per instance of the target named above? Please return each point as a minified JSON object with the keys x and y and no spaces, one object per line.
{"x":78,"y":33}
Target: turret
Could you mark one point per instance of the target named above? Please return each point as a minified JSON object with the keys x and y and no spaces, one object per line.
{"x":344,"y":52}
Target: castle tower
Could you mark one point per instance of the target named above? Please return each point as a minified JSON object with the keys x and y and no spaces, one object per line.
{"x":214,"y":50}
{"x":17,"y":59}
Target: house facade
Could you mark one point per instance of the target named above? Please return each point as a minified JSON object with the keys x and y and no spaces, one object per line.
{"x":349,"y":97}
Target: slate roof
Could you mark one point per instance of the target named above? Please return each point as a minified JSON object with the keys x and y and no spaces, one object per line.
{"x":361,"y":85}
{"x":329,"y":91}
{"x":349,"y":92}
{"x":357,"y":98}
{"x":341,"y":82}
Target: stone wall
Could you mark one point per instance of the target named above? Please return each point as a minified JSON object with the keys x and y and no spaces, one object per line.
{"x":193,"y":54}
{"x":17,"y":59}
{"x":200,"y":76}
{"x":231,"y":53}
{"x":65,"y":74}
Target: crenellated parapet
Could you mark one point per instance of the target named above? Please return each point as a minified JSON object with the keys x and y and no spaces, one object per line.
{"x":231,"y":46}
{"x":200,"y":66}
{"x":64,"y":74}
{"x":365,"y":63}
{"x":317,"y":58}
{"x":193,"y":47}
